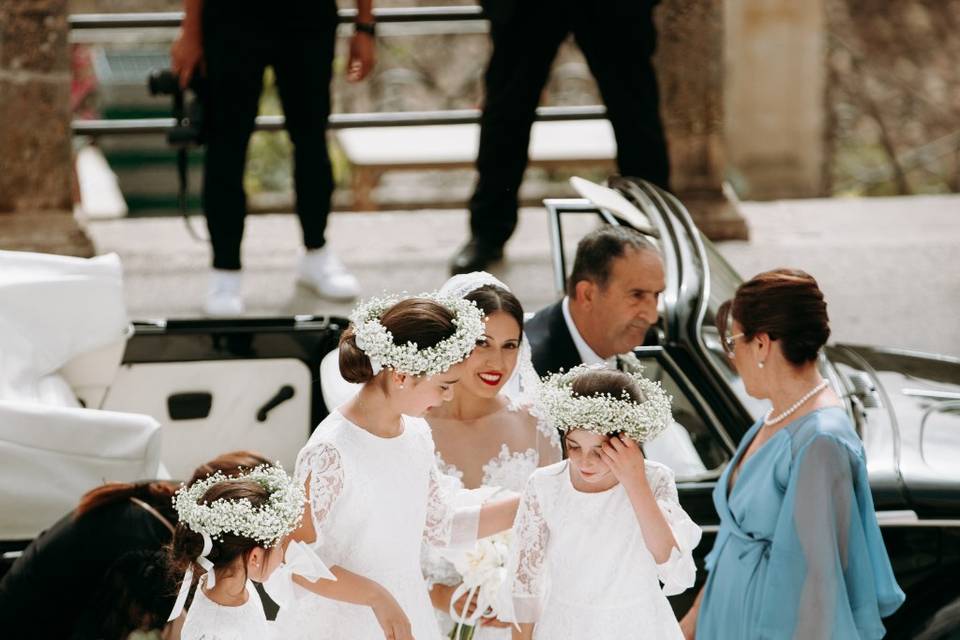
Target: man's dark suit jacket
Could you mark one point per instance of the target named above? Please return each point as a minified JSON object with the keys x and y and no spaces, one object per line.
{"x":551,"y":344}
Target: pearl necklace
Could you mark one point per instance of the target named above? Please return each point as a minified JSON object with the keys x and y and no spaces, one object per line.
{"x":767,"y":421}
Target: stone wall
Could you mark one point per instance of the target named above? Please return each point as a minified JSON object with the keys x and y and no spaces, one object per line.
{"x":689,"y":63}
{"x":36,"y":211}
{"x":775,"y":94}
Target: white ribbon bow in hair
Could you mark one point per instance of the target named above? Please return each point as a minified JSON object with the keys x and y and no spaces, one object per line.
{"x":300,"y":559}
{"x":187,"y":581}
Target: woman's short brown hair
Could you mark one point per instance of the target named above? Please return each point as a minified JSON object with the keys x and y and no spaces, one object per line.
{"x":787,"y":305}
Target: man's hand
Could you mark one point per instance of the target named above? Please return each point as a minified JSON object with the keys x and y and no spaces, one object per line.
{"x":186,"y":56}
{"x":625,"y":459}
{"x":363,"y":55}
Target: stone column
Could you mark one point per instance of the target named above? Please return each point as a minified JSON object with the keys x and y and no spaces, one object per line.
{"x":689,"y":63}
{"x":36,"y":208}
{"x":776,"y":96}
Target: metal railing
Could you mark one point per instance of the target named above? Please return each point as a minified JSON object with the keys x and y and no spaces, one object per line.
{"x":174,"y":18}
{"x":139,"y":126}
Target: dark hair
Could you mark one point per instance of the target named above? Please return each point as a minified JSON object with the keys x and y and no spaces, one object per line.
{"x":787,"y":305}
{"x":598,"y":249}
{"x":601,"y":382}
{"x":136,"y":594}
{"x":159,"y":493}
{"x":229,"y":464}
{"x":417,"y":320}
{"x":156,"y":493}
{"x":491,"y":298}
{"x":188,"y":544}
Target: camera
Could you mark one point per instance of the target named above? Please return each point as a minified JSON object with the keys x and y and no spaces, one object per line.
{"x":187,"y":113}
{"x":187,"y":130}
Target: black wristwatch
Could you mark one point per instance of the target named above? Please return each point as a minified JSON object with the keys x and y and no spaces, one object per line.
{"x":365,"y":27}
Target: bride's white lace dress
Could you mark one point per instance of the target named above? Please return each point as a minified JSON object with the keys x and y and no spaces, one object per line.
{"x":580,"y":568}
{"x":499,"y":450}
{"x":373,"y":502}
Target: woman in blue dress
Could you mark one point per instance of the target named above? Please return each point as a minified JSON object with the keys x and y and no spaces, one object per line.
{"x":799,"y":552}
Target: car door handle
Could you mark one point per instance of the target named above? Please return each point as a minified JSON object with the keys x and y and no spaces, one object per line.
{"x":285,"y":393}
{"x":190,"y":405}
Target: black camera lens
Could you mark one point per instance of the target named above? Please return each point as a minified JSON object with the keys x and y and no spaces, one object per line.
{"x":163,"y":82}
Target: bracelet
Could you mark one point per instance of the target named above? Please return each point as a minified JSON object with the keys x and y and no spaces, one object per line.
{"x":365,"y":27}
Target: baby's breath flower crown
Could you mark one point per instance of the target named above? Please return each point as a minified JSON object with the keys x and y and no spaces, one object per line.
{"x":606,"y":414}
{"x":266,"y":524}
{"x":377,"y":342}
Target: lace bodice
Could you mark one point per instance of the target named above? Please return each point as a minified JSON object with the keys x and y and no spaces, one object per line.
{"x":499,"y":450}
{"x":610,"y":588}
{"x":508,"y":446}
{"x":207,"y":620}
{"x":373,"y":501}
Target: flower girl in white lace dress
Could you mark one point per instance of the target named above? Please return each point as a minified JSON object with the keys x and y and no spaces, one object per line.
{"x":234,"y":529}
{"x":490,"y":434}
{"x":370,"y":474}
{"x":598,"y":534}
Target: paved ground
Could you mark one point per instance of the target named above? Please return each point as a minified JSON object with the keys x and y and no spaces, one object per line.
{"x":890,"y":267}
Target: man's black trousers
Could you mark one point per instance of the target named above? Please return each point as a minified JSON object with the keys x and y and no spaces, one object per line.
{"x":617,"y":38}
{"x":237,"y":53}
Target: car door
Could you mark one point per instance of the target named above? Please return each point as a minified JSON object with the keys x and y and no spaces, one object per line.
{"x":223,"y":385}
{"x":697,"y":448}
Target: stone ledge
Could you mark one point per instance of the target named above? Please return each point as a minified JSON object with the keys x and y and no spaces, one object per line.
{"x":44,"y":232}
{"x":715,"y":214}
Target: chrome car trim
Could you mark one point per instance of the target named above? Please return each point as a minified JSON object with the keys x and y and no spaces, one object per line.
{"x":887,"y":403}
{"x":554,"y":207}
{"x":692,"y":392}
{"x":932,"y":394}
{"x":909,"y":518}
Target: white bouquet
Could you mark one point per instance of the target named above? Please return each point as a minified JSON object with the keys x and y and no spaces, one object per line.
{"x":482,"y":569}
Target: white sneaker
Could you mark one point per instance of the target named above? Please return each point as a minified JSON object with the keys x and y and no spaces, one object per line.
{"x":323,"y":272}
{"x":223,"y":295}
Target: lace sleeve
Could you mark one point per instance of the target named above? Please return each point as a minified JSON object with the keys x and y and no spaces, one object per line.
{"x":448,"y":526}
{"x":527,"y":555}
{"x":320,"y":469}
{"x":678,"y":573}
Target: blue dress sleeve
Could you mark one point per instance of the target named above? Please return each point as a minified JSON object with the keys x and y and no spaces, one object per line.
{"x":711,"y":558}
{"x":828,"y":570}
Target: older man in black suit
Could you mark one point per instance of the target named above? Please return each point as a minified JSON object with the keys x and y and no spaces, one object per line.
{"x":611,"y":303}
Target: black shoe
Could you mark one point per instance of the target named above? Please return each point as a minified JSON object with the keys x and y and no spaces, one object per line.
{"x":474,"y":256}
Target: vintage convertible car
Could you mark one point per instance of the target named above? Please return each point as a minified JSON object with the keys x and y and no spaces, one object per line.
{"x":261,"y":384}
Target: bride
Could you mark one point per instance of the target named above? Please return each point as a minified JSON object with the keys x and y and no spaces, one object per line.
{"x":491,"y":433}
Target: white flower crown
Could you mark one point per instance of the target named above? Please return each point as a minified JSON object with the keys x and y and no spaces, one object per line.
{"x":377,"y":342}
{"x":266,"y":524}
{"x":606,"y":414}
